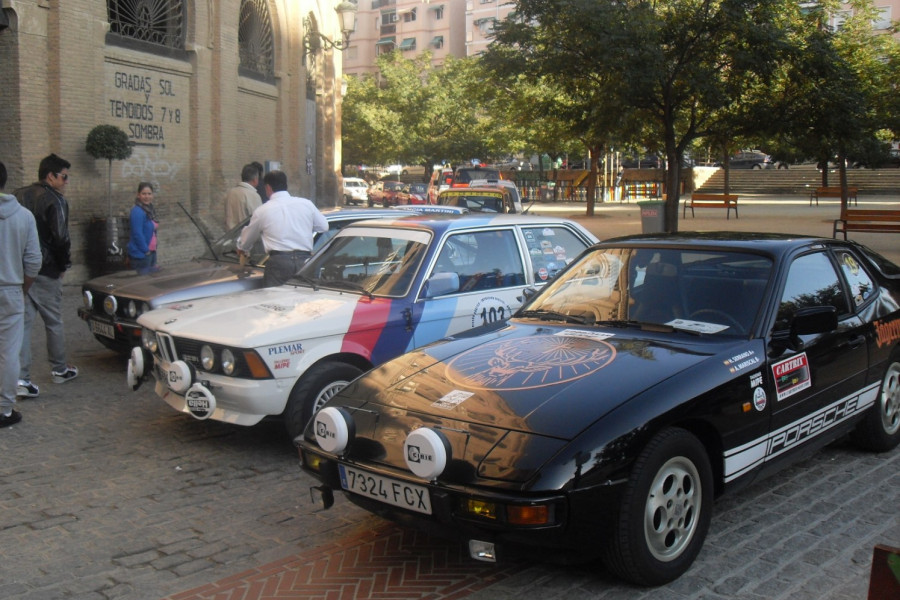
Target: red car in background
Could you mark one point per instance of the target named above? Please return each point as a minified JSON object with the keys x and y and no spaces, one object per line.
{"x":413,"y":193}
{"x":385,"y":193}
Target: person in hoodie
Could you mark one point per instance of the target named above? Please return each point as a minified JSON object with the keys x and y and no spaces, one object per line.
{"x":47,"y":203}
{"x":20,"y":261}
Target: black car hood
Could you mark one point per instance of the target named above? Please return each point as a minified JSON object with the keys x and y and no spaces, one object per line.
{"x":549,"y":381}
{"x":178,"y":282}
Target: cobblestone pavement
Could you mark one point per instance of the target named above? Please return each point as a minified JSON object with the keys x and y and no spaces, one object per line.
{"x":106,"y":493}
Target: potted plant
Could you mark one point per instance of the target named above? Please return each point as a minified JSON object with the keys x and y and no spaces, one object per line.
{"x":111,"y":143}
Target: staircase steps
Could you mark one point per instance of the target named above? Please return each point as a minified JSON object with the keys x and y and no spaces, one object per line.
{"x":801,"y":181}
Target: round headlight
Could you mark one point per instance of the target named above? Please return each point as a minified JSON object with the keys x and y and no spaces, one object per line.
{"x":227,"y":361}
{"x":132,"y":309}
{"x":207,"y":358}
{"x":110,"y":304}
{"x":88,"y":299}
{"x":148,"y":340}
{"x":144,"y":308}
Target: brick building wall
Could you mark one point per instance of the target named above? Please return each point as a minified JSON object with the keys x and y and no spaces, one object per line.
{"x":193,"y":116}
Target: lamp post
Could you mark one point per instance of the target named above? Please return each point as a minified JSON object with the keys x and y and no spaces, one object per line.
{"x":315,"y":40}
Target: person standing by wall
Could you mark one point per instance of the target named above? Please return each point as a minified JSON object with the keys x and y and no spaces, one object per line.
{"x":242,"y":199}
{"x":50,"y":208}
{"x":20,"y":262}
{"x":287,"y":225}
{"x":260,"y":186}
{"x":142,"y":242}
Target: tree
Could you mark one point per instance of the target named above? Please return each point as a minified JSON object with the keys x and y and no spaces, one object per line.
{"x":111,"y":143}
{"x":672,"y":64}
{"x":415,"y":113}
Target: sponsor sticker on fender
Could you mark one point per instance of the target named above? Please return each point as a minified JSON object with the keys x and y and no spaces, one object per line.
{"x":791,"y":376}
{"x":887,"y":332}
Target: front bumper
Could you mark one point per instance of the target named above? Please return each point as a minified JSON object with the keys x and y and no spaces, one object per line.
{"x":233,"y":400}
{"x":115,"y":334}
{"x":581,"y":517}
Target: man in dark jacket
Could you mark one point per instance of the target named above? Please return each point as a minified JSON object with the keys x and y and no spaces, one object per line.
{"x":46,"y":201}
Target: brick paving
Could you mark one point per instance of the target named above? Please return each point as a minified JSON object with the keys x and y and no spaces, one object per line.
{"x":109,"y":494}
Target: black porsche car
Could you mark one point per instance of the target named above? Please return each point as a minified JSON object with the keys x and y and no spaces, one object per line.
{"x":655,"y":374}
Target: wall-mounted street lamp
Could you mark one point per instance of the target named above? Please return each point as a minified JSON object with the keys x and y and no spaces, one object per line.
{"x":314,"y":41}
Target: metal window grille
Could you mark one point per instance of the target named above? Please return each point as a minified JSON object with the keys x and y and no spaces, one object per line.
{"x":255,"y":39}
{"x":158,"y":22}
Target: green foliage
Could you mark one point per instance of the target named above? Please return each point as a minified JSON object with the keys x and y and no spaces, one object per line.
{"x":415,"y":113}
{"x":109,"y":142}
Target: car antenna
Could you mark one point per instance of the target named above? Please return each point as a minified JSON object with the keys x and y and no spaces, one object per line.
{"x":200,"y":229}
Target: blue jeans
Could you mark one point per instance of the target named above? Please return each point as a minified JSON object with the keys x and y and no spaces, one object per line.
{"x":144,"y":265}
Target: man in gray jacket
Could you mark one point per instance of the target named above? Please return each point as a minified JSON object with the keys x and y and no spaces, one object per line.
{"x":20,"y":261}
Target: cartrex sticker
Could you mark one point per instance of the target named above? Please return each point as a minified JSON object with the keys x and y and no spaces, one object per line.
{"x":791,"y":376}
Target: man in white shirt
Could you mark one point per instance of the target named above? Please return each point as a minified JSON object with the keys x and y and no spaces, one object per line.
{"x":287,"y":225}
{"x":242,"y":199}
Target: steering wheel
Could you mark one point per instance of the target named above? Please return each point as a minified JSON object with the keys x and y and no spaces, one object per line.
{"x":717,"y":316}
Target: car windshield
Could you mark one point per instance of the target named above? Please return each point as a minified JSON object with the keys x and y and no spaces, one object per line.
{"x":379,"y":262}
{"x":702,"y":291}
{"x":475,"y":202}
{"x":418,"y":188}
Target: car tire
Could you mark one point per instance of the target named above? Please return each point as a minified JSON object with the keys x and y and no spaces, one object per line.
{"x":880,"y":429}
{"x":665,"y":511}
{"x":317,"y":386}
{"x":757,"y":167}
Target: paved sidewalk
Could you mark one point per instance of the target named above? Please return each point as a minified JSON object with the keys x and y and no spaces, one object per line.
{"x":109,"y":494}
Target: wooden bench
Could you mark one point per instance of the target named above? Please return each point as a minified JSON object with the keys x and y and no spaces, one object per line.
{"x":728,"y":201}
{"x":833,"y":192}
{"x":874,"y":220}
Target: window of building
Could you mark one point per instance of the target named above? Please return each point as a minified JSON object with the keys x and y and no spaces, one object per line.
{"x":255,"y":44}
{"x":408,"y":44}
{"x":156,"y":22}
{"x":437,"y":41}
{"x":409,"y":16}
{"x":438,"y":12}
{"x":883,"y":18}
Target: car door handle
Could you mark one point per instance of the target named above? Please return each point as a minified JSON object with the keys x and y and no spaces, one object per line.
{"x":854,"y":342}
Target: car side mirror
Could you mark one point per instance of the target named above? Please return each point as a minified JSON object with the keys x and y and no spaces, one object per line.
{"x":440,"y":284}
{"x":806,"y":321}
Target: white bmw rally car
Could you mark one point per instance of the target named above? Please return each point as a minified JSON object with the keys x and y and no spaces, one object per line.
{"x":376,"y":291}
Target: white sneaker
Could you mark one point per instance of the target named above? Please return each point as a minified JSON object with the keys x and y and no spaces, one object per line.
{"x":26,"y":389}
{"x":65,"y":375}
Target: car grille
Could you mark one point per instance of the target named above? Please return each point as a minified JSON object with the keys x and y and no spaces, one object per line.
{"x":172,"y":349}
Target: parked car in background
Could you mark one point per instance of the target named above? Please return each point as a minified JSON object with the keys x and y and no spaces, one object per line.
{"x":356,"y":190}
{"x":406,"y":170}
{"x":463,"y":175}
{"x":377,"y":290}
{"x":413,"y":193}
{"x":649,"y":161}
{"x":751,"y":159}
{"x":653,"y":375}
{"x":384,"y":193}
{"x":493,"y":199}
{"x":112,"y":303}
{"x":440,"y":181}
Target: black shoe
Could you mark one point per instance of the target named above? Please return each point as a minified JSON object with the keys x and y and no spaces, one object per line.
{"x":13,"y":418}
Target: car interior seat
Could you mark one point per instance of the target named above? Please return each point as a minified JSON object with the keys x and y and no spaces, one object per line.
{"x":658,"y":298}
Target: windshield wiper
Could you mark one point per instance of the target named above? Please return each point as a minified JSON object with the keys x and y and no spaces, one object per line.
{"x":313,"y":283}
{"x":550,"y":315}
{"x":349,"y":285}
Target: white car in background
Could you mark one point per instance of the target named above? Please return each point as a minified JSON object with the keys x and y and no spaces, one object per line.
{"x":355,"y":190}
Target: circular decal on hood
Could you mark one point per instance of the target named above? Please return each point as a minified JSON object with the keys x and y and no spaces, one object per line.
{"x":531,"y":362}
